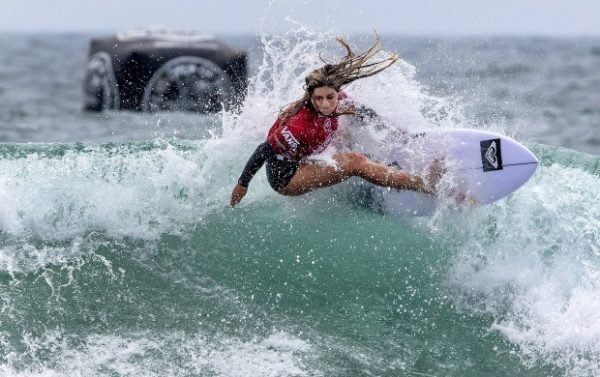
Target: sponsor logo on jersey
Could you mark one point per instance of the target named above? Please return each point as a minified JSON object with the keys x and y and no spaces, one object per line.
{"x":290,"y":139}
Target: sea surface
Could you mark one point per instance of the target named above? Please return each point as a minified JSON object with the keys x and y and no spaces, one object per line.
{"x":119,"y":254}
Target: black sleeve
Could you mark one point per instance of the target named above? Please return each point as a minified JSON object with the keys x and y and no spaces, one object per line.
{"x":364,"y":115}
{"x":255,"y":162}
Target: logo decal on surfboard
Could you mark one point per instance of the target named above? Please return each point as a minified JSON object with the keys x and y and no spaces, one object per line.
{"x":491,"y":155}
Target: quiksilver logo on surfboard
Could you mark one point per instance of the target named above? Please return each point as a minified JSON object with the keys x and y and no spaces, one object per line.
{"x":491,"y":155}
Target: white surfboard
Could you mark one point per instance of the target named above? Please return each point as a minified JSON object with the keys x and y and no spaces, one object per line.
{"x":482,"y":165}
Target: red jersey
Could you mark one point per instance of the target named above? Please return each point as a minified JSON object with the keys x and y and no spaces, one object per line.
{"x":307,"y":132}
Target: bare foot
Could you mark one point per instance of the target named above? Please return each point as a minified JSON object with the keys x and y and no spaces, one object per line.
{"x":434,"y":174}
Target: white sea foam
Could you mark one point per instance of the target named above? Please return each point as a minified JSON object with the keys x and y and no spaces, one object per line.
{"x":58,"y":198}
{"x":533,"y":262}
{"x":175,"y":354}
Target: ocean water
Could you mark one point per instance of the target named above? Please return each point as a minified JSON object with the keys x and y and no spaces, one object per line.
{"x":119,"y":255}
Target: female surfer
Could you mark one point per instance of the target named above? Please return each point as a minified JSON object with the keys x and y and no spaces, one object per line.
{"x":306,"y":127}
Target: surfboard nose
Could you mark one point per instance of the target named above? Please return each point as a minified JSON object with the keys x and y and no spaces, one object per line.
{"x":534,"y":157}
{"x":487,"y":166}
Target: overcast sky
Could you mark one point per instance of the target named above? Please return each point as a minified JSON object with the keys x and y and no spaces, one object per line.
{"x":416,"y":17}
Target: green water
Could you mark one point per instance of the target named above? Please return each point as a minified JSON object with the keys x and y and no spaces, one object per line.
{"x":319,"y":285}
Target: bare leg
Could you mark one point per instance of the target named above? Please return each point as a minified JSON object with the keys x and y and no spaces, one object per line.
{"x":313,"y":176}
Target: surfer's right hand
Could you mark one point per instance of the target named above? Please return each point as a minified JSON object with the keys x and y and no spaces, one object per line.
{"x":238,"y":193}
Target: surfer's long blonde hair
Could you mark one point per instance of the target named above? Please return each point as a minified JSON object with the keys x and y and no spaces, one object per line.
{"x":350,"y":68}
